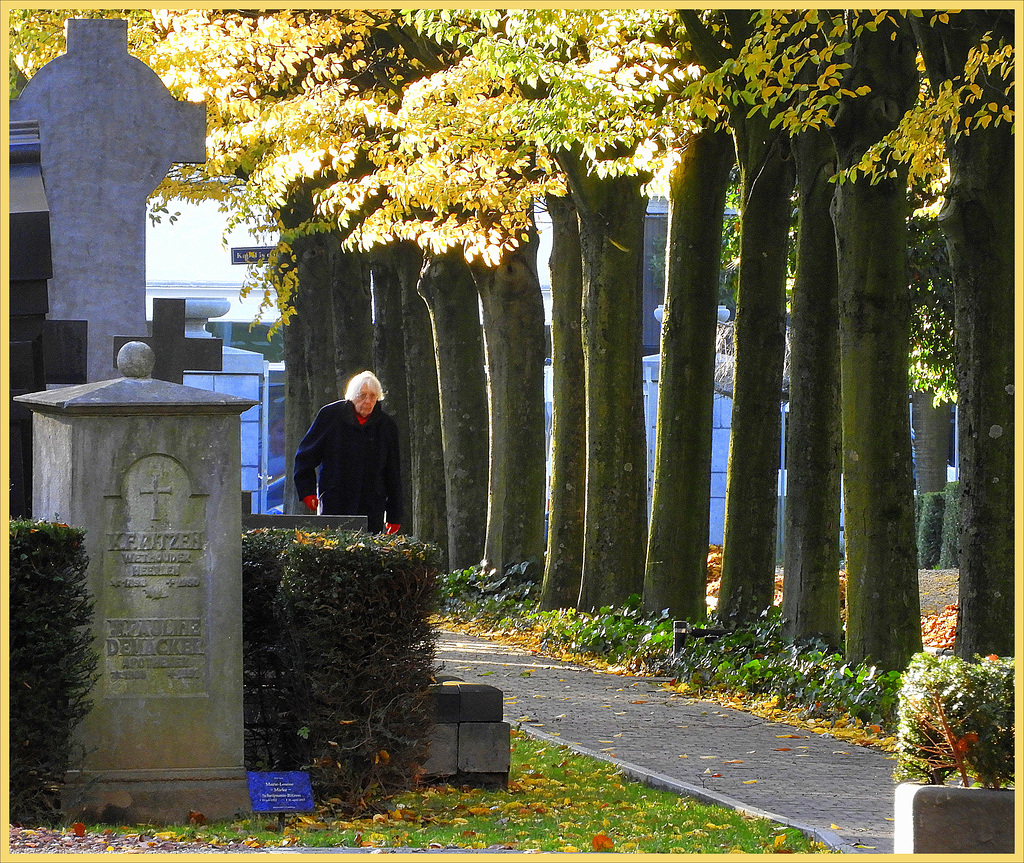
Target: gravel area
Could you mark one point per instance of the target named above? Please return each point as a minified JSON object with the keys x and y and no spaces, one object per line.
{"x":40,"y":840}
{"x":939,"y":588}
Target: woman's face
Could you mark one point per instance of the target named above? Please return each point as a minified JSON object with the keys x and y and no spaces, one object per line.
{"x":365,"y":401}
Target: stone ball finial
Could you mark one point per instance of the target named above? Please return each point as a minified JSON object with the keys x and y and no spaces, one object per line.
{"x":136,"y":360}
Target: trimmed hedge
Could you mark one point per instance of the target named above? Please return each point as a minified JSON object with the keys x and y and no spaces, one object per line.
{"x":52,"y":663}
{"x":338,"y":657}
{"x":949,"y":557}
{"x":956,"y":718}
{"x":931,"y":507}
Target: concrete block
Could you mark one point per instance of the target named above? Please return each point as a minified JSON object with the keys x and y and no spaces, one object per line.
{"x":484,"y":747}
{"x":443,"y":750}
{"x":481,"y":702}
{"x":447,"y":701}
{"x":946,"y":819}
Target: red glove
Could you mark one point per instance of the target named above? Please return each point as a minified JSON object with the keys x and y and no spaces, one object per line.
{"x":312,"y":502}
{"x":392,"y":528}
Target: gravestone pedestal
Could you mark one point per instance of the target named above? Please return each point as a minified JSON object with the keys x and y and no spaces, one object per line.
{"x":150,"y":470}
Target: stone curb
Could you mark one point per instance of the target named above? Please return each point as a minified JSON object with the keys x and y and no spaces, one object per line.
{"x":666,"y":783}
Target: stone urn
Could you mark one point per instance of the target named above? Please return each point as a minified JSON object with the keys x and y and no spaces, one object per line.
{"x":952,"y":819}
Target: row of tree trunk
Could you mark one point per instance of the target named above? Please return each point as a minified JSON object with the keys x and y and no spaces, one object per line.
{"x":461,"y":351}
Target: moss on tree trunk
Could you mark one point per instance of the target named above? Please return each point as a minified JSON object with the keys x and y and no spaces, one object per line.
{"x":446,"y":284}
{"x":563,"y":565}
{"x":677,"y":549}
{"x":977,"y":221}
{"x":426,"y":452}
{"x":612,"y":212}
{"x":751,"y":502}
{"x":810,"y":596}
{"x":389,"y":354}
{"x":883,"y":609}
{"x":513,"y":314}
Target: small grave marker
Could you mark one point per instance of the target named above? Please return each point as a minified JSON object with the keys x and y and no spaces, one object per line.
{"x":287,"y":791}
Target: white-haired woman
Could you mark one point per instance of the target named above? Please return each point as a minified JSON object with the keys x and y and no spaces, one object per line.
{"x":355,"y":445}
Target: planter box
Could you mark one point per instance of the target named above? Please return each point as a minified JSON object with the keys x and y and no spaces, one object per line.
{"x":947,"y":819}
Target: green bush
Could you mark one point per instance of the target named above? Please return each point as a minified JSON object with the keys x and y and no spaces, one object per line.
{"x":338,"y":658}
{"x":479,"y":592}
{"x":956,"y":717}
{"x":806,"y":674}
{"x":949,"y":557}
{"x":931,"y":507}
{"x":52,"y":663}
{"x":615,"y":634}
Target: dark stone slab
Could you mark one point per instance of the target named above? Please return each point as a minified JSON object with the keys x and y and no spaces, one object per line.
{"x":304,"y":522}
{"x":65,"y":350}
{"x":447,"y":702}
{"x":480,"y":702}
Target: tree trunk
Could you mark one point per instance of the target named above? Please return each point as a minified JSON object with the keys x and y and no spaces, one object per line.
{"x":976,"y":221}
{"x":612,"y":212}
{"x":677,"y":549}
{"x":981,"y":242}
{"x":751,"y":497}
{"x":883,"y":608}
{"x":389,"y":354}
{"x":446,"y":284}
{"x":563,"y":566}
{"x":513,"y":313}
{"x":810,"y":593}
{"x":426,"y":453}
{"x":330,"y":337}
{"x":931,"y":442}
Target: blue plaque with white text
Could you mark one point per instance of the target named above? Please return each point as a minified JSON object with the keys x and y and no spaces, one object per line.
{"x":288,"y":791}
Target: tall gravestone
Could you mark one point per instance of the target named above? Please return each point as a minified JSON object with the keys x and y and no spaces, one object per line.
{"x":150,"y":469}
{"x":110,"y":131}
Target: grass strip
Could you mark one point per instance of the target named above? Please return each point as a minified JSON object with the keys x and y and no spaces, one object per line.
{"x":557,"y":800}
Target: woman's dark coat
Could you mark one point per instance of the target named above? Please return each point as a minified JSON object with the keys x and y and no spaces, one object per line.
{"x":360,"y":471}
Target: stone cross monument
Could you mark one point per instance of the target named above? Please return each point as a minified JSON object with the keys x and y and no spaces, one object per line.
{"x":150,"y":470}
{"x":109,"y":132}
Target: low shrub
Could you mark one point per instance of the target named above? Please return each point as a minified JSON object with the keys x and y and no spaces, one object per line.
{"x":615,"y":634}
{"x":957,"y":717}
{"x":52,"y":663}
{"x":949,"y":557}
{"x":339,"y":654}
{"x":805,"y":674}
{"x":481,"y":592}
{"x":931,"y":508}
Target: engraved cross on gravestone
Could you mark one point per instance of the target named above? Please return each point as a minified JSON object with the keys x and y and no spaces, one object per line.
{"x":110,"y":131}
